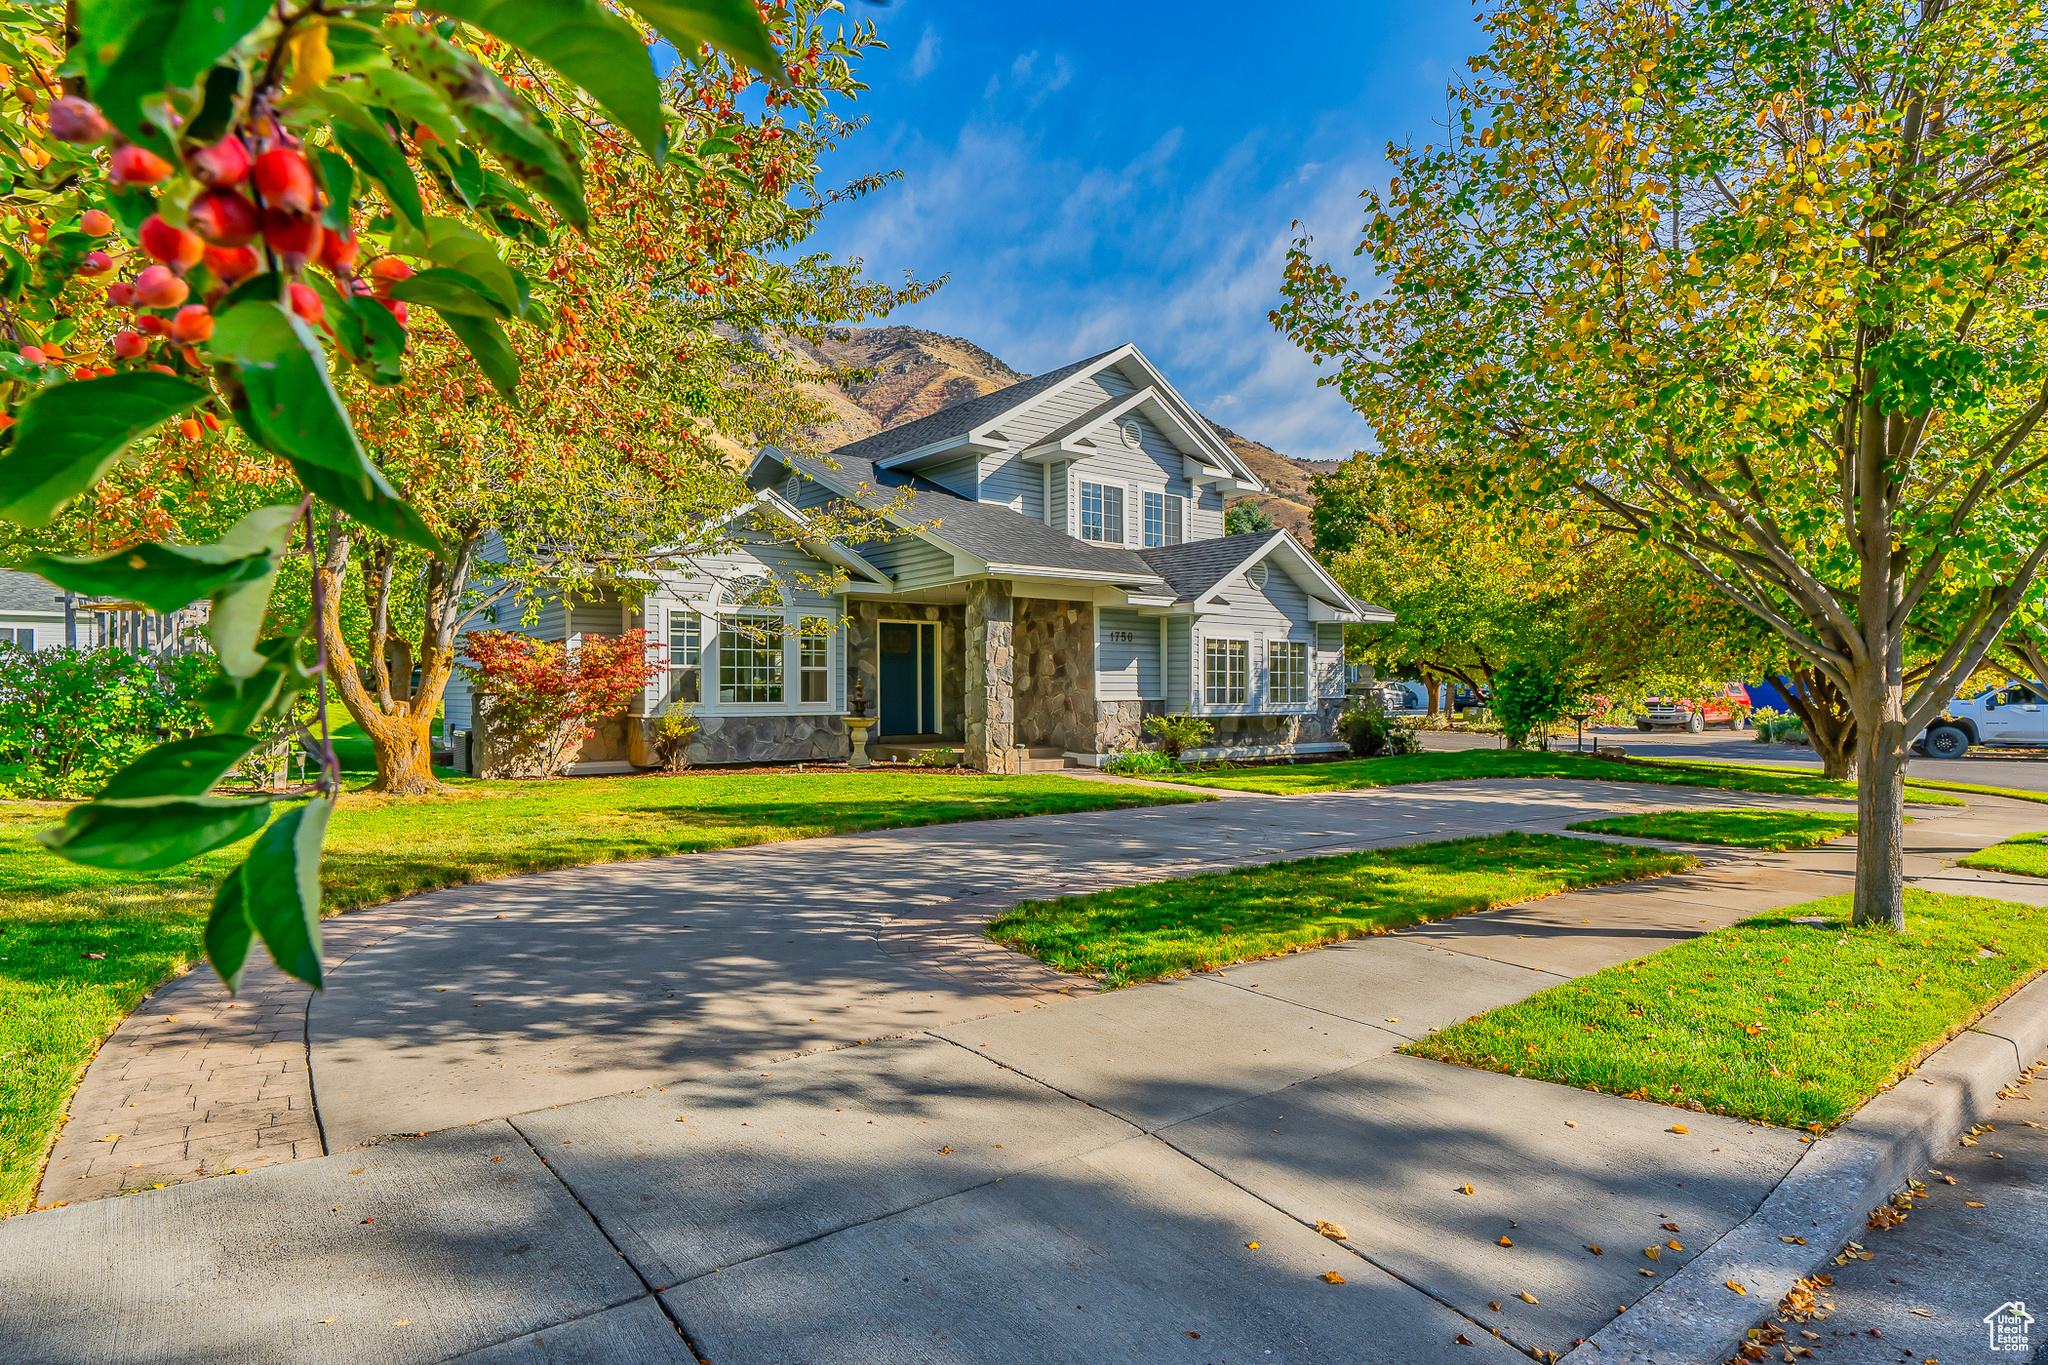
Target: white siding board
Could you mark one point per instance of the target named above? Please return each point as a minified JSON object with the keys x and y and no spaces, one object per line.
{"x":1126,"y":669}
{"x":1179,"y":665}
{"x":963,"y":476}
{"x":911,"y":561}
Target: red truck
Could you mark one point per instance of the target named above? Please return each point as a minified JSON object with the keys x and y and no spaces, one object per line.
{"x":1730,"y":706}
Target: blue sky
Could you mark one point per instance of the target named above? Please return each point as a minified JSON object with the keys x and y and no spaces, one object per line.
{"x":1094,"y":174}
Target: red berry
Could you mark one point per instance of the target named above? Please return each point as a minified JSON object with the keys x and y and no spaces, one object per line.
{"x":130,"y":345}
{"x":306,"y":303}
{"x":193,"y":323}
{"x":120,"y":294}
{"x":157,"y":287}
{"x":297,"y":240}
{"x":104,"y":370}
{"x":338,"y":251}
{"x":95,"y":223}
{"x":96,"y":263}
{"x":225,"y":218}
{"x":396,"y":307}
{"x":154,"y":325}
{"x":212,"y":422}
{"x":286,"y":181}
{"x":33,"y":355}
{"x":132,"y":165}
{"x":171,"y":244}
{"x":85,"y":372}
{"x":75,"y":120}
{"x":389,"y":270}
{"x":162,"y":369}
{"x":232,"y":264}
{"x":189,"y":429}
{"x":223,"y":164}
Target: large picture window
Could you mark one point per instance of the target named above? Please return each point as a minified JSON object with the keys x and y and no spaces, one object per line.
{"x":1226,"y":672}
{"x":750,"y":660}
{"x":1102,"y":512}
{"x":685,"y":656}
{"x":1287,"y":672}
{"x":813,"y":661}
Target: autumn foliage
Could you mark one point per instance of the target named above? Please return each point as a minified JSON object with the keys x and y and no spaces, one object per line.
{"x":541,"y":695}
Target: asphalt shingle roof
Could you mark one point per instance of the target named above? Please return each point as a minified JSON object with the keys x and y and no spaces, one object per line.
{"x":21,"y":591}
{"x":986,"y":530}
{"x":961,"y":418}
{"x":1193,"y":567}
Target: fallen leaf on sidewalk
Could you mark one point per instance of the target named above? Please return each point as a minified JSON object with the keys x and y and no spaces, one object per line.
{"x":403,"y":1322}
{"x":1674,"y":1246}
{"x":1646,"y":1272}
{"x":1495,"y":1305}
{"x":1653,"y":1252}
{"x":1670,"y":1227}
{"x":1923,"y":1312}
{"x":1251,"y":1246}
{"x":1505,"y":1241}
{"x":1333,"y":1277}
{"x":1569,"y":1124}
{"x":327,"y":1319}
{"x":1736,"y":1287}
{"x":1680,"y":1129}
{"x":1462,"y":1339}
{"x":1526,"y":1297}
{"x":1595,"y":1250}
{"x":1971,"y":1203}
{"x":1465,"y":1188}
{"x":945,"y":1151}
{"x":1334,"y":1231}
{"x":1794,"y":1241}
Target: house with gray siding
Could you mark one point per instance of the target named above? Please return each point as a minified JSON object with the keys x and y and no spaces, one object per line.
{"x":1049,"y":568}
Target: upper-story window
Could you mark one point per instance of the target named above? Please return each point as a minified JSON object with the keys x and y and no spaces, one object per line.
{"x":1102,"y":512}
{"x":685,"y":656}
{"x":1163,"y":513}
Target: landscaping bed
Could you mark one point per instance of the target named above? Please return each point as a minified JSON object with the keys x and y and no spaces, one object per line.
{"x":1772,"y":1019}
{"x":1191,"y":924}
{"x":1464,"y":765}
{"x":1773,"y":830}
{"x":80,"y":947}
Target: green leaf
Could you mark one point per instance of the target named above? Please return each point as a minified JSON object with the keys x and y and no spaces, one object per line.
{"x":167,"y":577}
{"x":383,"y":337}
{"x":493,"y":351}
{"x":237,"y":704}
{"x":460,"y":247}
{"x":449,"y":291}
{"x":71,"y":434}
{"x":14,"y":275}
{"x":288,"y":402}
{"x":587,"y":43}
{"x":355,"y":47}
{"x":121,"y":48}
{"x":458,"y":170}
{"x":185,"y":767}
{"x":235,"y":618}
{"x":229,"y":933}
{"x":732,"y":26}
{"x":338,"y":178}
{"x":414,"y":99}
{"x":207,"y":31}
{"x":281,"y":888}
{"x":147,"y":833}
{"x":380,"y":161}
{"x":504,"y":122}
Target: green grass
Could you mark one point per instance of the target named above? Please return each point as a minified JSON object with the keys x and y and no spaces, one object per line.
{"x":2026,"y":854}
{"x":1197,"y":923}
{"x":1769,"y":1020}
{"x":1465,"y":764}
{"x":1776,"y":830}
{"x":56,"y":1003}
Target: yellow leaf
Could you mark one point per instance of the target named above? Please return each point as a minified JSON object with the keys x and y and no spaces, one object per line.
{"x":1595,"y":1250}
{"x":1254,"y":1246}
{"x":1673,"y":1245}
{"x":1680,"y":1128}
{"x":1465,"y":1188}
{"x":312,"y":63}
{"x":1653,"y":1253}
{"x":1334,"y":1231}
{"x":1504,"y":1240}
{"x":1736,"y":1287}
{"x":1333,"y":1277}
{"x":1526,"y":1297}
{"x":1971,"y":1203}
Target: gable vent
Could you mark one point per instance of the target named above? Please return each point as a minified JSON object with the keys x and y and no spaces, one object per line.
{"x":1256,"y":575}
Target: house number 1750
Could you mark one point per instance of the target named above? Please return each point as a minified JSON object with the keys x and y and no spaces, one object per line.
{"x":1120,"y":637}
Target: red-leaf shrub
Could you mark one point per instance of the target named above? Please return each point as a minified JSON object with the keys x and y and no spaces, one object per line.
{"x":544,"y":696}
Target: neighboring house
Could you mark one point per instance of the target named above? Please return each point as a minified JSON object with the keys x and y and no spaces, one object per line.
{"x":31,"y":611}
{"x":1057,"y":572}
{"x":32,"y":617}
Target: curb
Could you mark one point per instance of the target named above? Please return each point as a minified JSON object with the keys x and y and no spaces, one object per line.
{"x":1695,"y":1319}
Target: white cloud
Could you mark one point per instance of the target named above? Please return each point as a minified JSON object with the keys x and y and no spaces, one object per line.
{"x":927,"y":54}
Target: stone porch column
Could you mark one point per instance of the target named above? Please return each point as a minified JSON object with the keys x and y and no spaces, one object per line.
{"x":991,"y":696}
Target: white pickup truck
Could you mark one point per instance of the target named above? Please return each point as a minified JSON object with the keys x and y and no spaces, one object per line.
{"x":2015,"y":714}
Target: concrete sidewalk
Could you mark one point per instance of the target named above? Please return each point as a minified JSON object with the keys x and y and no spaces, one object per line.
{"x":1083,"y":1181}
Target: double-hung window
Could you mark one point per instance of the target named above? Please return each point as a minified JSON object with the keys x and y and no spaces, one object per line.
{"x":1226,"y":672}
{"x":1102,"y":513}
{"x":750,"y":660}
{"x":813,"y":663}
{"x":685,"y":656}
{"x":1287,"y":672}
{"x":1162,"y":519}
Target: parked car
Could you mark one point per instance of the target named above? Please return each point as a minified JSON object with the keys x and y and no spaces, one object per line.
{"x":2014,"y":714}
{"x":1730,"y":706}
{"x":1463,"y":697}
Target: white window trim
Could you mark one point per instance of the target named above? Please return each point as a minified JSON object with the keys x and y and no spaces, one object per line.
{"x":712,"y":613}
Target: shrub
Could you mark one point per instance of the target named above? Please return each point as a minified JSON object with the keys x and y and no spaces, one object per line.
{"x":1140,"y":762}
{"x":672,"y":736}
{"x":1528,"y":697}
{"x":543,"y":698}
{"x":941,"y":757}
{"x":71,"y":718}
{"x":1778,"y":726}
{"x":1372,"y":732}
{"x":1178,"y":734}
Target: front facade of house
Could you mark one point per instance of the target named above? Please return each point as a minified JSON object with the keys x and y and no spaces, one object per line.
{"x":1053,"y":571}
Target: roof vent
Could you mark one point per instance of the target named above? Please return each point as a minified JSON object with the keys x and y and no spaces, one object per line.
{"x":1134,"y":437}
{"x":1256,"y":575}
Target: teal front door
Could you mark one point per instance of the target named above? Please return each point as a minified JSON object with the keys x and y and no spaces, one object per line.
{"x":909,"y":678}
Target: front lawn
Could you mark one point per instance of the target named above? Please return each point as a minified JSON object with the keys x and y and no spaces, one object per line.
{"x":1351,"y":774}
{"x":2026,"y":854}
{"x":1768,"y":1020}
{"x":57,"y":1001}
{"x":1775,"y":830}
{"x":1192,"y":924}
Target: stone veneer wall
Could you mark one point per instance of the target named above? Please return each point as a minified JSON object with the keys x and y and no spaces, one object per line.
{"x":864,"y":657}
{"x":1120,"y":726}
{"x":1244,"y":732}
{"x":991,"y":657}
{"x":1055,"y":675}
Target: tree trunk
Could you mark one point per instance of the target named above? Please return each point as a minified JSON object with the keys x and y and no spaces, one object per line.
{"x":1824,"y":713}
{"x":1881,"y":818}
{"x":405,"y":757}
{"x":1429,"y":683}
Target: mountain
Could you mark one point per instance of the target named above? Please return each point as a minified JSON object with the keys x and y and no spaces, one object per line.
{"x":916,"y":373}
